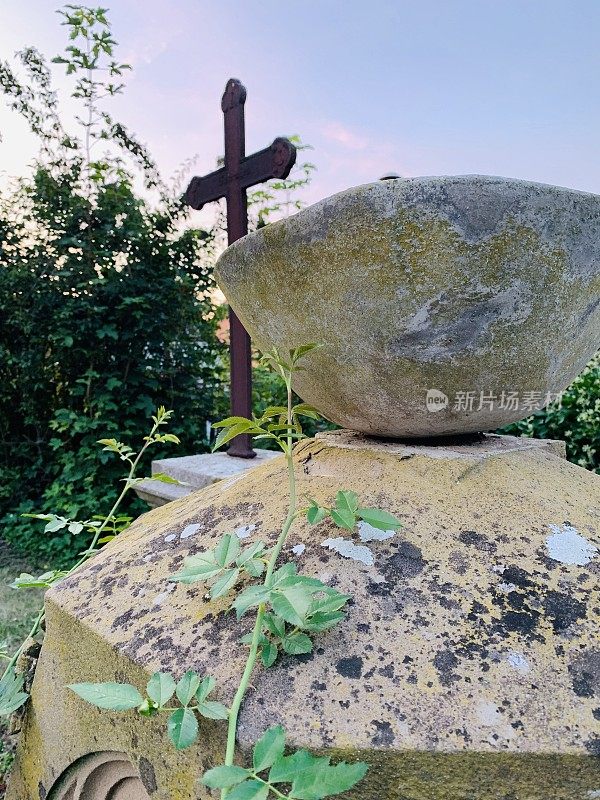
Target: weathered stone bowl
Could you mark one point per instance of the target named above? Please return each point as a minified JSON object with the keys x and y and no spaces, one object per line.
{"x":445,"y":304}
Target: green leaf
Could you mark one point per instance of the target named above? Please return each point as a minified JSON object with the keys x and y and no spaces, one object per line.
{"x":273,"y":411}
{"x":303,"y":409}
{"x":56,"y":524}
{"x":315,"y":513}
{"x":187,"y":686}
{"x":196,"y":568}
{"x":250,"y":553}
{"x":227,"y":550}
{"x":182,"y":728}
{"x":322,"y":621}
{"x":250,"y":598}
{"x":292,"y":603}
{"x":228,"y":422}
{"x":225,"y":776}
{"x":250,"y":790}
{"x":298,"y":352}
{"x":287,"y":768}
{"x":331,"y":600}
{"x":163,"y":477}
{"x":12,"y":695}
{"x":75,"y":528}
{"x":274,"y":624}
{"x":343,"y":519}
{"x":224,"y":584}
{"x":230,"y":433}
{"x":297,"y":644}
{"x":377,"y":518}
{"x":206,"y":686}
{"x":161,"y":688}
{"x":284,"y":572}
{"x":324,"y":780}
{"x":268,"y":654}
{"x":269,"y":748}
{"x":346,"y":502}
{"x":112,"y":696}
{"x":255,"y":567}
{"x":213,"y":710}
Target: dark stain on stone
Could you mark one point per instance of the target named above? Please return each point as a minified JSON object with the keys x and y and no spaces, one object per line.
{"x":384,"y":737}
{"x":478,"y":540}
{"x":563,"y":610}
{"x":596,"y":713}
{"x":350,"y":667}
{"x":523,"y":622}
{"x":407,"y":562}
{"x":516,"y":575}
{"x":387,"y":671}
{"x":585,"y":674}
{"x":445,"y":662}
{"x":458,"y":562}
{"x":593,"y":746}
{"x":42,"y":791}
{"x":147,"y":775}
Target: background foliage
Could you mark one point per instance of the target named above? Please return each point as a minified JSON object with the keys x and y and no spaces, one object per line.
{"x":107,"y":304}
{"x":576,"y":419}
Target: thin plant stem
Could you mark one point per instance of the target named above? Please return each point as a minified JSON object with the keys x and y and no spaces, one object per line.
{"x":89,"y":552}
{"x":258,"y":625}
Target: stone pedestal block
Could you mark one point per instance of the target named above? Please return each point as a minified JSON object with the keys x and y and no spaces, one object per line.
{"x":195,"y":472}
{"x":468,"y":667}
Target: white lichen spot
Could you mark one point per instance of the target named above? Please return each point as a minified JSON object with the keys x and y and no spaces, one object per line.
{"x":507,"y":587}
{"x":298,"y":549}
{"x":190,"y":530}
{"x":347,"y":548}
{"x":568,"y":546}
{"x":368,"y":533}
{"x":244,"y":531}
{"x":593,"y":794}
{"x":171,"y":537}
{"x":518,"y":661}
{"x":488,"y":714}
{"x":160,"y":598}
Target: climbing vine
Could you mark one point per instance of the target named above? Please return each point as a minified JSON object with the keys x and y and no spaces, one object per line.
{"x":289,"y":610}
{"x":101,"y":529}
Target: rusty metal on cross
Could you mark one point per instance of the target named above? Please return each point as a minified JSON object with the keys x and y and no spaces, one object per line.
{"x":231,"y":181}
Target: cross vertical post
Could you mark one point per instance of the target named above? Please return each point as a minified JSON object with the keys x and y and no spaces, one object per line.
{"x":240,"y":349}
{"x":231,"y":181}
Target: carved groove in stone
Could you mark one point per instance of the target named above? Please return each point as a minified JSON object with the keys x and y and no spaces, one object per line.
{"x":100,"y":776}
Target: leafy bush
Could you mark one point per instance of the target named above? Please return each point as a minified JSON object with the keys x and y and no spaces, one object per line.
{"x":576,"y":419}
{"x":103,"y":317}
{"x":105,"y":301}
{"x":106,"y":297}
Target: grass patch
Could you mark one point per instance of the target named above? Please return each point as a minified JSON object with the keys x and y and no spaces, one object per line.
{"x":18,"y":608}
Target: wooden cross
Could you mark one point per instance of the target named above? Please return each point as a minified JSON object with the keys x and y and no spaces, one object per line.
{"x":231,"y":181}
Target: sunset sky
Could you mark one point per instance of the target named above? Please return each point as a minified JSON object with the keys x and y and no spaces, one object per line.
{"x":504,"y":87}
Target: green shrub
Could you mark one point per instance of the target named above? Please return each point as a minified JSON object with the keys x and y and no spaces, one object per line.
{"x":106,"y":296}
{"x":88,"y":348}
{"x":106,"y":306}
{"x":576,"y":419}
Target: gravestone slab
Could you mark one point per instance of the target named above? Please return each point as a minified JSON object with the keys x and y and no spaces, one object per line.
{"x":468,"y":665}
{"x":195,"y":472}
